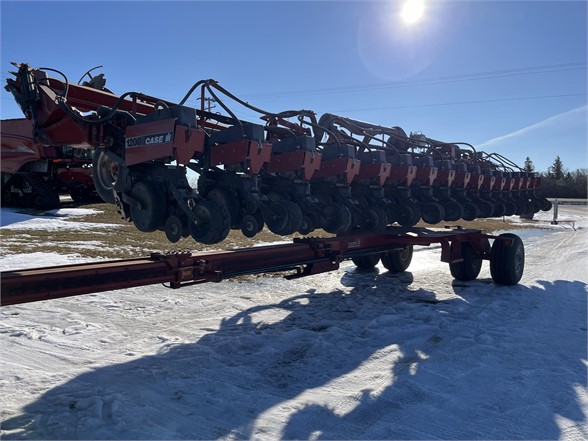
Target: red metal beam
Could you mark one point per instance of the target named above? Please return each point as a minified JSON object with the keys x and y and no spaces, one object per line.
{"x":306,"y":256}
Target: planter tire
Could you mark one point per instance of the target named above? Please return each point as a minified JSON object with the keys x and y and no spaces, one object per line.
{"x":507,"y":263}
{"x":469,"y":268}
{"x":397,"y":261}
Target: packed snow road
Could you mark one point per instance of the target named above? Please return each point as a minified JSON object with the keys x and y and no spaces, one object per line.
{"x":342,"y":355}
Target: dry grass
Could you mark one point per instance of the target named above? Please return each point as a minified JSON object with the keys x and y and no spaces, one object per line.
{"x":125,"y":241}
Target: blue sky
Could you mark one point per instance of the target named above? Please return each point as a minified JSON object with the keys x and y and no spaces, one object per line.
{"x":507,"y":76}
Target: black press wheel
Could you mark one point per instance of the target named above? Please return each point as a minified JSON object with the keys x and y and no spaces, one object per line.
{"x":432,"y":212}
{"x":397,"y":261}
{"x":409,"y":214}
{"x":338,"y":218}
{"x":283,"y":217}
{"x":376,"y":220}
{"x":545,"y":204}
{"x":471,"y":264}
{"x":509,"y":208}
{"x":213,"y":223}
{"x":249,"y":225}
{"x":507,"y":263}
{"x":453,"y":211}
{"x":228,"y":200}
{"x":149,"y":210}
{"x":173,"y":229}
{"x":368,"y":261}
{"x":485,"y":208}
{"x":498,"y":209}
{"x":306,"y":226}
{"x":470,"y":211}
{"x":294,"y":217}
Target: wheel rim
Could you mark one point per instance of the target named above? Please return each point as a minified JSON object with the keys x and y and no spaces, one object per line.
{"x":104,"y":173}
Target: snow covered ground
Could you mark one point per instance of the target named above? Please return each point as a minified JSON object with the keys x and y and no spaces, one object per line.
{"x":343,"y":355}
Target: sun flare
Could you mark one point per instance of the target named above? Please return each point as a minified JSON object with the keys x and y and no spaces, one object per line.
{"x":412,"y":11}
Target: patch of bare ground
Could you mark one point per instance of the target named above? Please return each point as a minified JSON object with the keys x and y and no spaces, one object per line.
{"x":125,"y":241}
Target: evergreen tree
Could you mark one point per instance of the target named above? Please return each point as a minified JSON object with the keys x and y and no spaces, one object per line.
{"x":556,"y":170}
{"x":529,"y":167}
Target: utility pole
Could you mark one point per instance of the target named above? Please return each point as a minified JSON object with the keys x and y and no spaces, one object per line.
{"x":209,"y":102}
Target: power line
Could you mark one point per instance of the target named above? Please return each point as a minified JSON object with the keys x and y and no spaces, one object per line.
{"x":550,"y":68}
{"x":464,"y":102}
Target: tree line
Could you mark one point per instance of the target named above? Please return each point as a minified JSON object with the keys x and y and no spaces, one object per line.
{"x":559,"y":182}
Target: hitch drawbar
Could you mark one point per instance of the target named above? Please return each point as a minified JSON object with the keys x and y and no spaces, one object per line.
{"x":464,"y":250}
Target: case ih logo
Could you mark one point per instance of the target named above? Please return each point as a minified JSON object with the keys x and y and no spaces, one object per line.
{"x":159,"y":138}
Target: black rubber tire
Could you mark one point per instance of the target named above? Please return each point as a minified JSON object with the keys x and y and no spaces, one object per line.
{"x":214,"y":223}
{"x":536,"y":205}
{"x":294,"y":217}
{"x":376,"y":220}
{"x":258,"y":215}
{"x":485,"y":208}
{"x":77,"y":195}
{"x":284,"y":217}
{"x":397,"y":261}
{"x":229,"y":201}
{"x":151,"y":215}
{"x":520,"y":206}
{"x":369,"y":261}
{"x":432,"y":212}
{"x":249,"y":225}
{"x":276,"y":217}
{"x":409,"y":214}
{"x":509,"y":208}
{"x":306,"y":226}
{"x":392,"y":213}
{"x":528,"y":207}
{"x":469,"y":268}
{"x":173,"y":229}
{"x":338,"y":218}
{"x":546,"y":205}
{"x":453,"y":211}
{"x":507,"y":263}
{"x":470,"y":211}
{"x":185,"y":225}
{"x":102,"y":176}
{"x":498,"y":209}
{"x":44,"y":196}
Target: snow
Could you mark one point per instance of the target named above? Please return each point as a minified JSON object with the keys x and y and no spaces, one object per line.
{"x":52,"y":220}
{"x":341,"y":355}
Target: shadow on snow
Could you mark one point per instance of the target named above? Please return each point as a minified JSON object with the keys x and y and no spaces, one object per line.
{"x":483,"y":364}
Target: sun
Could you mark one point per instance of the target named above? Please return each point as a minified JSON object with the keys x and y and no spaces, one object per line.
{"x":412,"y":11}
